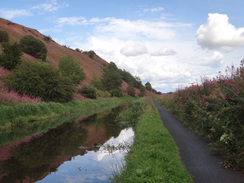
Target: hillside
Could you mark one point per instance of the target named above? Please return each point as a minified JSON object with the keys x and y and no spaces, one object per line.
{"x":55,"y":51}
{"x":91,"y":65}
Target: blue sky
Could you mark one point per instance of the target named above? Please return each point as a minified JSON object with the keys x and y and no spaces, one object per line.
{"x":168,"y":43}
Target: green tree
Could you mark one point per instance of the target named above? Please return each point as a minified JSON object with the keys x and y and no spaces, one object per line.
{"x":142,"y":91}
{"x":131,"y":90}
{"x":4,"y":36}
{"x":148,"y":86}
{"x":71,"y":69}
{"x":39,"y":79}
{"x":11,"y":56}
{"x":111,"y":79}
{"x":34,"y":47}
{"x":97,"y":83}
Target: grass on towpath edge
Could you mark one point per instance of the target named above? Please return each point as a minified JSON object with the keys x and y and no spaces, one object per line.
{"x":154,"y":156}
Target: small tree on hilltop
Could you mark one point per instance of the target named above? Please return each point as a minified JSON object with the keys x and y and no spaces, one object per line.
{"x":11,"y":56}
{"x":34,"y":47}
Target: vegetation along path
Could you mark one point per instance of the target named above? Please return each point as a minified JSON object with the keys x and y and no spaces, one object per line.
{"x":203,"y":165}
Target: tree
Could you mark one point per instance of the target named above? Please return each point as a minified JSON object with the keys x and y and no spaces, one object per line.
{"x":34,"y":47}
{"x":142,"y":91}
{"x":97,"y":83}
{"x":111,"y":78}
{"x":39,"y":79}
{"x":131,"y":90}
{"x":70,"y":68}
{"x":4,"y":36}
{"x":11,"y":56}
{"x":148,"y":86}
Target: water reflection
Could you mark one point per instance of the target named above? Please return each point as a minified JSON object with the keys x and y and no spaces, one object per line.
{"x":68,"y":153}
{"x":94,"y":166}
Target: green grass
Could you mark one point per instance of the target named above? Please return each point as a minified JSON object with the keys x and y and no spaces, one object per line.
{"x":154,"y":156}
{"x":22,"y":113}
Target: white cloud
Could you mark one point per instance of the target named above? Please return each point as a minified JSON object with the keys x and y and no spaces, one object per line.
{"x":71,"y":21}
{"x":163,"y":52}
{"x":49,"y":7}
{"x":215,"y":60}
{"x":158,"y":9}
{"x":137,"y":29}
{"x":134,"y":50}
{"x":10,"y":14}
{"x":218,"y":33}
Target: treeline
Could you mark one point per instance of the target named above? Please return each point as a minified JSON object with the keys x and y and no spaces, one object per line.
{"x":38,"y":79}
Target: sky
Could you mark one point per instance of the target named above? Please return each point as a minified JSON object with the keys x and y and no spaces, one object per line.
{"x":171,"y":44}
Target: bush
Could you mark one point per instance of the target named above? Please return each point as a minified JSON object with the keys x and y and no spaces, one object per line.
{"x":90,"y":53}
{"x":39,"y":79}
{"x":47,"y":38}
{"x":88,"y":92}
{"x":116,"y":93}
{"x":71,"y":69}
{"x":11,"y":56}
{"x":34,"y":47}
{"x":131,"y":90}
{"x":4,"y":36}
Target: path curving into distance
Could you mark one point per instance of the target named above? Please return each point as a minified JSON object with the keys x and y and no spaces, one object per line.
{"x":203,"y":165}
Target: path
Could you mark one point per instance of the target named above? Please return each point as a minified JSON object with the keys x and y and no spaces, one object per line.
{"x":203,"y":165}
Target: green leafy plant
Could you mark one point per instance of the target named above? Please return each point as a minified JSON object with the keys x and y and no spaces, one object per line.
{"x":71,"y":69}
{"x":39,"y":79}
{"x":34,"y":47}
{"x":4,"y":36}
{"x":11,"y":56}
{"x":88,"y":92}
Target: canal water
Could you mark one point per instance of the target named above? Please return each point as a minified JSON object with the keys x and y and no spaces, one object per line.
{"x":86,"y":149}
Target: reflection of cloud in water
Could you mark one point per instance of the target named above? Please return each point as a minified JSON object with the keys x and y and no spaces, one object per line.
{"x":125,"y":136}
{"x":93,"y":166}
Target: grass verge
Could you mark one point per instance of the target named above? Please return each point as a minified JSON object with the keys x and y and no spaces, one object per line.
{"x":154,"y":156}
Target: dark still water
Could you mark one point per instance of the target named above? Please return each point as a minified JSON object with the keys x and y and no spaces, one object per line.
{"x":88,"y":149}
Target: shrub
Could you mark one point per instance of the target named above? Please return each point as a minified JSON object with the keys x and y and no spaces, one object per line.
{"x":131,"y":90}
{"x":88,"y":92}
{"x":39,"y":79}
{"x":71,"y":69}
{"x":47,"y":38}
{"x":34,"y":47}
{"x":111,"y":78}
{"x":4,"y":36}
{"x":90,"y":53}
{"x":116,"y":93}
{"x":11,"y":56}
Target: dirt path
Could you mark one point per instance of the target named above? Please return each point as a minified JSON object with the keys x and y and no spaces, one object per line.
{"x":203,"y":165}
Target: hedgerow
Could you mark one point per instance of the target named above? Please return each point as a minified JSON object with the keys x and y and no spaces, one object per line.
{"x":215,"y":110}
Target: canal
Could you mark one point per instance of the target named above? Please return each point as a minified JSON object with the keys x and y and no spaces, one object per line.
{"x":84,"y":149}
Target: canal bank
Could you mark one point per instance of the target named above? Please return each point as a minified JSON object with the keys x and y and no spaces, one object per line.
{"x":154,"y":156}
{"x":24,"y":113}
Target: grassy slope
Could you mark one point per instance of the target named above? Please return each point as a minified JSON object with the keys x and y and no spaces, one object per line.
{"x":154,"y":156}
